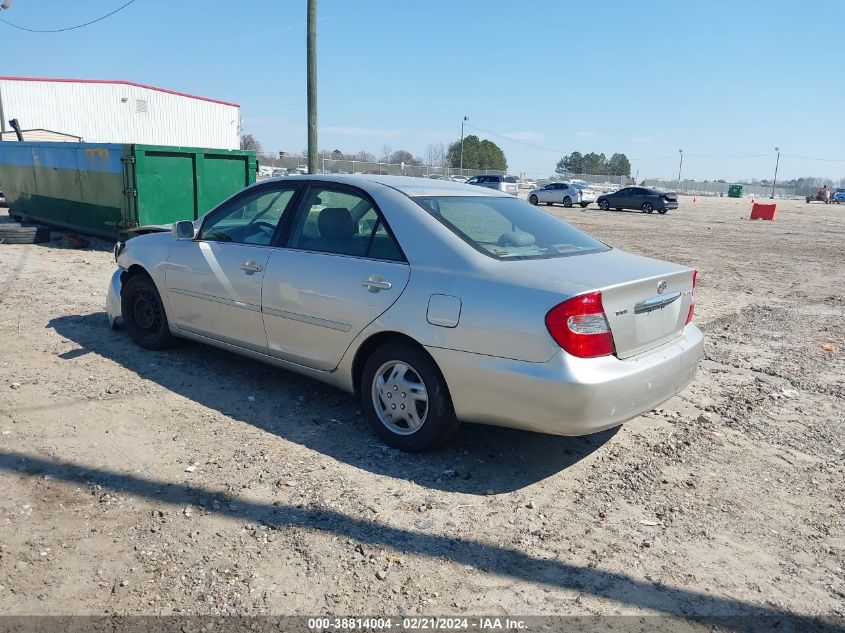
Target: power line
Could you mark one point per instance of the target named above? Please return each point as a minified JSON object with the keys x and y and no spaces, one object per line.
{"x":67,"y":28}
{"x":513,"y":140}
{"x":826,"y":160}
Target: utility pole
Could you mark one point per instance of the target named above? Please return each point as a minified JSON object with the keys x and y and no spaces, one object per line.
{"x":775,"y":181}
{"x":311,"y":47}
{"x":466,"y":118}
{"x":681,"y":152}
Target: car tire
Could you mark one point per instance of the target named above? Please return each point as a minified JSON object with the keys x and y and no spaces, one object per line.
{"x":567,"y":202}
{"x":23,"y":234}
{"x":647,"y":207}
{"x":583,"y":204}
{"x":533,"y":199}
{"x":143,"y":313}
{"x":434,"y":412}
{"x":662,"y":211}
{"x":604,"y":205}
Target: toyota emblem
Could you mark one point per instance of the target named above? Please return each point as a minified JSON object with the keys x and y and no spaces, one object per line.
{"x":661,"y":287}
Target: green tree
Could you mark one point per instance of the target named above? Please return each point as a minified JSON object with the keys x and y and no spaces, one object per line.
{"x":571,"y":164}
{"x":595,"y":163}
{"x":478,"y":154}
{"x":619,"y":165}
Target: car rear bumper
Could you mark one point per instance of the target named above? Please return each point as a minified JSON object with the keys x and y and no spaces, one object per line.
{"x":113,"y":310}
{"x":567,"y":395}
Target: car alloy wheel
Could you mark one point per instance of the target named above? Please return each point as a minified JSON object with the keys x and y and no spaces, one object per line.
{"x":400,"y":398}
{"x":647,"y":207}
{"x":604,"y":205}
{"x":533,"y":199}
{"x":567,"y":202}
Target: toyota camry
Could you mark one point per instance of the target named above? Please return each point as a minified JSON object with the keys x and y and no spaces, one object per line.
{"x":435,"y":302}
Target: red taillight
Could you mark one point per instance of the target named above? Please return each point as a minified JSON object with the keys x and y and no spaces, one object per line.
{"x":579,"y":326}
{"x":692,"y":298}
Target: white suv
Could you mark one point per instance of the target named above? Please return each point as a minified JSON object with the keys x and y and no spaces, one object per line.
{"x":508,"y":184}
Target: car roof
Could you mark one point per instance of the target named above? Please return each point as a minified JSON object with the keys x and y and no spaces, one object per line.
{"x":411,"y":187}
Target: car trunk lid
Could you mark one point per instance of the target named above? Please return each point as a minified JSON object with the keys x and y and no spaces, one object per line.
{"x":646,"y":301}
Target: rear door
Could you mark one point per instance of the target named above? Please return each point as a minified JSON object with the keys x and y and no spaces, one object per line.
{"x":340,"y":270}
{"x":214,"y":281}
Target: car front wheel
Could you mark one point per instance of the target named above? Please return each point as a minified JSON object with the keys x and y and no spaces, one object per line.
{"x":662,"y":211}
{"x":533,"y":199}
{"x":604,"y":205}
{"x":143,"y":313}
{"x":647,"y":207}
{"x":405,"y":398}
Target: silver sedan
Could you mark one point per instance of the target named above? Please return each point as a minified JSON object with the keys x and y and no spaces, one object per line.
{"x":565,"y":193}
{"x":433,"y":301}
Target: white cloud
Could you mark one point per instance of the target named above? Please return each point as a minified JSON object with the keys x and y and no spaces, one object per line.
{"x":585,"y":134}
{"x":361,"y":132}
{"x":643,"y":139}
{"x":527,"y":137}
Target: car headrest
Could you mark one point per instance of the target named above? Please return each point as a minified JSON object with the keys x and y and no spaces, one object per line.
{"x":516,"y":238}
{"x":335,"y":223}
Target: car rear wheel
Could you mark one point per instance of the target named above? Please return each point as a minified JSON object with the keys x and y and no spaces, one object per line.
{"x":533,"y":199}
{"x":647,"y":207}
{"x":405,"y":398}
{"x":604,"y":205}
{"x":583,"y":204}
{"x":567,"y":202}
{"x":143,"y":313}
{"x":662,"y":211}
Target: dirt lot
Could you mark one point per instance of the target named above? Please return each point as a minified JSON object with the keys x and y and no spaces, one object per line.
{"x":194,"y":481}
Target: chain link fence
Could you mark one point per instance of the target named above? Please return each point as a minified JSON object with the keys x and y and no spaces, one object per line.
{"x":345,"y":166}
{"x":707,"y":188}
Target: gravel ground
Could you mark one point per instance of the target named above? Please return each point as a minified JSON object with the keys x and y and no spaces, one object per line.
{"x":196,"y":482}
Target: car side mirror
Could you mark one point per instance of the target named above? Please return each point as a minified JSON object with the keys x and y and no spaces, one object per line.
{"x":183,"y":230}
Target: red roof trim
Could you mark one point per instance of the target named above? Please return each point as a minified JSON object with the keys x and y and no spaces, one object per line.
{"x":123,"y":83}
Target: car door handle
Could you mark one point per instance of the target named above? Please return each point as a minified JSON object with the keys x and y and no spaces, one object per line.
{"x":251,"y":266}
{"x":375,"y":283}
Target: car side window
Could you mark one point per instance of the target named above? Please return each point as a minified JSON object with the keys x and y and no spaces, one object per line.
{"x":472,"y":181}
{"x":251,"y":219}
{"x":340,"y":222}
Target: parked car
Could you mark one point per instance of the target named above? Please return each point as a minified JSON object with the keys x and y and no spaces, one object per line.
{"x":645,"y":199}
{"x":280,"y":172}
{"x":527,"y":184}
{"x":565,"y":193}
{"x":507,"y":184}
{"x":458,"y":178}
{"x":511,"y":317}
{"x":838,"y":196}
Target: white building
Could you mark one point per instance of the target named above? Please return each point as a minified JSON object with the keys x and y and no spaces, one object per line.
{"x":117,"y":112}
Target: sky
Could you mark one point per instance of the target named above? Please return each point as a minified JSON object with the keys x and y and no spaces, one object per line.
{"x":725,"y":80}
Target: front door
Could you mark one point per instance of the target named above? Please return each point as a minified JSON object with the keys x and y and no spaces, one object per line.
{"x":341,"y":269}
{"x":214,"y":281}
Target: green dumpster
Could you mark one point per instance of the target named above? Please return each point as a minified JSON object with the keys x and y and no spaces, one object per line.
{"x":735,"y":191}
{"x":107,"y":189}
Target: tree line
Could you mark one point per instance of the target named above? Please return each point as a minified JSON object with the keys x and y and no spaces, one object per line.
{"x":592,"y":163}
{"x":477,"y":154}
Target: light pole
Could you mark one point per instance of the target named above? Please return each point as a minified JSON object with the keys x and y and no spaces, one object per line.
{"x":466,"y":118}
{"x":775,"y":181}
{"x":311,"y":64}
{"x":680,"y":166}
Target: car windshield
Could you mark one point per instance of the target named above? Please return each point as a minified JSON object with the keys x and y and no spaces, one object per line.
{"x":509,"y":228}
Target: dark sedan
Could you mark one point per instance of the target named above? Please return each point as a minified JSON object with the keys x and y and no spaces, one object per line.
{"x":643,"y":198}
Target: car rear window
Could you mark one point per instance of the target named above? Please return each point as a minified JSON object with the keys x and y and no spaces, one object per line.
{"x":509,"y":178}
{"x":509,"y":228}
